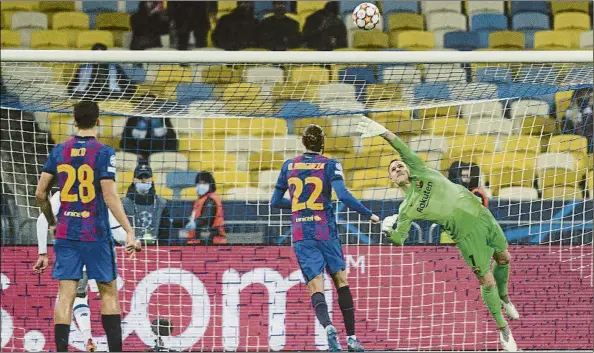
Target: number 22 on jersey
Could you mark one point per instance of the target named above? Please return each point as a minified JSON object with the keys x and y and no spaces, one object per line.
{"x":311,"y":201}
{"x":85,"y":176}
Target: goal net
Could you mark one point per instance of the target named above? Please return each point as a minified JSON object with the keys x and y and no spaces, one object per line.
{"x":514,"y":126}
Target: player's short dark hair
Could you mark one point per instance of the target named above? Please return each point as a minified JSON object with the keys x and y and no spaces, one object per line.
{"x":313,"y":138}
{"x":86,"y":114}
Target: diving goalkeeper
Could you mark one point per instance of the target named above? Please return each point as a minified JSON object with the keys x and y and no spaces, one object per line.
{"x":432,"y":197}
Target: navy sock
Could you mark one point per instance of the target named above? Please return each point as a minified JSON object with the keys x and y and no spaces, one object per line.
{"x":345,"y":301}
{"x":318,"y":301}
{"x":61,"y":335}
{"x":112,"y":324}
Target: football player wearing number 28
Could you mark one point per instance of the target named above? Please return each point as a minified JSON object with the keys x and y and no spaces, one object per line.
{"x":432,"y":197}
{"x":85,"y":171}
{"x":310,"y":179}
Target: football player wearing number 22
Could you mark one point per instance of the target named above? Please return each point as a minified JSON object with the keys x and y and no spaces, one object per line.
{"x":310,"y":179}
{"x":85,"y":172}
{"x":432,"y":197}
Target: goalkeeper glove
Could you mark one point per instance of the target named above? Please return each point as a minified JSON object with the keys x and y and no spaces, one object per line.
{"x":388,"y":229}
{"x":369,"y":128}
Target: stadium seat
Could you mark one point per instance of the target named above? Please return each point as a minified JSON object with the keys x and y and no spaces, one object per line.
{"x":246,"y":194}
{"x":562,"y":193}
{"x":529,"y":6}
{"x":587,"y":40}
{"x":51,"y":39}
{"x":113,"y":21}
{"x":126,"y":161}
{"x":524,"y":146}
{"x":241,"y":92}
{"x":171,"y":74}
{"x":265,"y":160}
{"x":194,"y":141}
{"x":507,"y":40}
{"x":405,"y":21}
{"x":483,"y":110}
{"x":445,"y":126}
{"x":179,"y":180}
{"x":570,"y":6}
{"x":267,"y":179}
{"x":432,"y":91}
{"x":518,"y":193}
{"x":488,"y":22}
{"x":372,"y":40}
{"x":444,"y":73}
{"x":309,"y":7}
{"x":56,"y":6}
{"x":221,"y":126}
{"x":166,"y":161}
{"x":451,"y":21}
{"x":590,"y":184}
{"x":123,"y":181}
{"x":294,"y":109}
{"x":70,"y":20}
{"x":551,"y":40}
{"x":189,"y":92}
{"x":461,"y":40}
{"x":309,"y":74}
{"x":10,"y":39}
{"x":389,"y":7}
{"x":243,"y":143}
{"x":429,"y":143}
{"x":86,"y":39}
{"x":440,"y":6}
{"x":477,"y":7}
{"x":370,"y":178}
{"x":383,"y":194}
{"x":530,"y":21}
{"x":470,"y":146}
{"x":29,"y":20}
{"x":400,"y":74}
{"x":566,"y":21}
{"x":575,"y":144}
{"x":94,"y":7}
{"x":15,"y":6}
{"x":413,"y":40}
{"x":131,"y":6}
{"x":211,"y":161}
{"x":337,"y":91}
{"x":537,"y":125}
{"x":263,"y":74}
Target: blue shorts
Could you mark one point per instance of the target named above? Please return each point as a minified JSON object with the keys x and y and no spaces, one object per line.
{"x":315,"y":255}
{"x":98,"y":257}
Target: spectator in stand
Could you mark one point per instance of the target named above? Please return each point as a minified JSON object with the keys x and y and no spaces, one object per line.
{"x":578,"y":118}
{"x":468,"y":175}
{"x":278,"y":31}
{"x":324,"y":30}
{"x":101,"y":81}
{"x":237,"y":30}
{"x":147,"y":212}
{"x":150,"y":132}
{"x":187,"y":17}
{"x":207,"y":214}
{"x":148,"y":24}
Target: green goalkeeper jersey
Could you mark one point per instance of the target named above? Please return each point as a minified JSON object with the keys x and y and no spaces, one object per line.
{"x":432,"y":197}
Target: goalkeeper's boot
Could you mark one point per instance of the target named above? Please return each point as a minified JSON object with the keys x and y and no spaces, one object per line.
{"x":507,"y":340}
{"x":354,"y":345}
{"x":333,"y":345}
{"x":510,"y":310}
{"x":90,"y":346}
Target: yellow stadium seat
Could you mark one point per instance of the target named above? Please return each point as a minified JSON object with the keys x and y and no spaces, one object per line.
{"x":575,"y":144}
{"x":413,"y":40}
{"x":521,"y":144}
{"x":230,"y":179}
{"x":257,"y":107}
{"x":309,"y":74}
{"x":370,"y":40}
{"x":61,"y":126}
{"x":402,"y":21}
{"x":173,"y":74}
{"x":507,"y":40}
{"x":562,"y":193}
{"x":6,"y":20}
{"x":166,"y":161}
{"x":573,"y":36}
{"x":558,"y":177}
{"x":551,"y":40}
{"x":123,"y":181}
{"x":70,"y":20}
{"x":444,"y":126}
{"x":211,"y":161}
{"x":343,"y":144}
{"x":562,"y":103}
{"x":86,"y":39}
{"x":16,"y":6}
{"x":294,"y":91}
{"x":49,"y":40}
{"x":470,"y":145}
{"x":370,"y":178}
{"x":199,"y":143}
{"x":113,"y":21}
{"x":224,"y":7}
{"x":590,"y":184}
{"x":572,"y":21}
{"x":571,"y":6}
{"x":263,"y":127}
{"x":323,"y":122}
{"x":309,"y":6}
{"x":56,"y":6}
{"x":241,"y":92}
{"x":383,"y":91}
{"x":265,"y":160}
{"x":504,"y":169}
{"x":221,"y":74}
{"x":164,"y":192}
{"x":222,"y":126}
{"x":10,"y":39}
{"x":438,"y":112}
{"x":538,"y":125}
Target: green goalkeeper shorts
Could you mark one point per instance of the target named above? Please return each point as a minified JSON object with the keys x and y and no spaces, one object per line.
{"x":483,"y":239}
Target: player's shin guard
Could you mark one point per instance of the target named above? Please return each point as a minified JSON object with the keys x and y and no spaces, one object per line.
{"x":501,"y":274}
{"x":345,"y":301}
{"x":82,"y":316}
{"x":61,"y":335}
{"x":112,"y":324}
{"x":491,"y":298}
{"x":318,"y":301}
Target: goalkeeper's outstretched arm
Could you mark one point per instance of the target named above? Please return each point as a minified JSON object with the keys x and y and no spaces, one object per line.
{"x":397,"y":236}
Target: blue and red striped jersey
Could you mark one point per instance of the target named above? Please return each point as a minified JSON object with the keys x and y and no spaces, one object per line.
{"x":309,"y":180}
{"x":79,"y":165}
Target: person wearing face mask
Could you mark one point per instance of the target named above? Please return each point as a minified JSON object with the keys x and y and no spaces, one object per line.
{"x":207,"y":213}
{"x":147,"y":211}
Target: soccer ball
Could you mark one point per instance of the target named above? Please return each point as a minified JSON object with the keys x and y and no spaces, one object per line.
{"x":366,"y":16}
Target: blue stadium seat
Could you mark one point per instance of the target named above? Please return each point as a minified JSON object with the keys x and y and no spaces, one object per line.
{"x":347,"y":7}
{"x":489,"y":22}
{"x":190,"y":92}
{"x":358,"y":76}
{"x":294,"y":109}
{"x":532,"y":21}
{"x":461,"y":40}
{"x":529,"y":6}
{"x":178,"y":180}
{"x":131,"y":6}
{"x":529,"y":39}
{"x":483,"y":38}
{"x":400,"y":6}
{"x":99,"y":6}
{"x":135,"y":73}
{"x":493,"y":74}
{"x":541,"y":74}
{"x":525,"y":90}
{"x":432,"y":91}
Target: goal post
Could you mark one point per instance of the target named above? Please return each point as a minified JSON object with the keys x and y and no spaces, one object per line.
{"x":512,"y":124}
